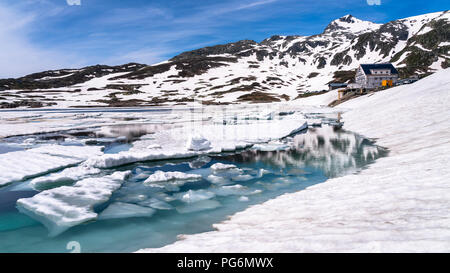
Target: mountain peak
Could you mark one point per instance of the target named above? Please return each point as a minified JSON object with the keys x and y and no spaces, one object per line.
{"x":350,"y":24}
{"x":348,"y":19}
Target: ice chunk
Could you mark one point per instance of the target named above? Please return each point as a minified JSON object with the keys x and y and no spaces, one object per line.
{"x":198,"y":206}
{"x":156,"y":204}
{"x":171,"y":181}
{"x":160,"y":176}
{"x":220,"y":166}
{"x":231,"y":190}
{"x":278,"y":183}
{"x":62,"y":208}
{"x":199,"y":162}
{"x":198,"y":143}
{"x":243,"y":199}
{"x":217,"y":179}
{"x":164,"y":197}
{"x":262,"y":172}
{"x":242,"y":177}
{"x":141,"y":175}
{"x":125,"y":210}
{"x":192,"y":196}
{"x":66,"y":176}
{"x":133,"y":198}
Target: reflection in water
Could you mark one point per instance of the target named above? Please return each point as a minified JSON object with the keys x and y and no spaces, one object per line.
{"x":334,"y":151}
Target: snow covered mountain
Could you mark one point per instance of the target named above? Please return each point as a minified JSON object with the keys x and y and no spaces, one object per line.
{"x":278,"y":68}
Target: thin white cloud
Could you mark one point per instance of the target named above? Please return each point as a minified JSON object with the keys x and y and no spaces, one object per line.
{"x":73,"y":2}
{"x":168,"y":32}
{"x":221,"y":9}
{"x":373,"y":2}
{"x":19,"y":56}
{"x":255,"y":4}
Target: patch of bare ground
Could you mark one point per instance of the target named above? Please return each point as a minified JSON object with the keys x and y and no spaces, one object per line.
{"x":312,"y":75}
{"x":212,"y":102}
{"x":258,"y":97}
{"x":251,"y":87}
{"x":343,"y":76}
{"x":285,"y":97}
{"x":309,"y":94}
{"x":30,"y":103}
{"x":239,"y":79}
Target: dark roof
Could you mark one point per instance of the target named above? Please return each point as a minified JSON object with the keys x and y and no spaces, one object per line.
{"x":337,"y":84}
{"x":368,"y":67}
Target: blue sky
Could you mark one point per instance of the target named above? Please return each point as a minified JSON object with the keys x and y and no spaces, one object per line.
{"x":37,"y":35}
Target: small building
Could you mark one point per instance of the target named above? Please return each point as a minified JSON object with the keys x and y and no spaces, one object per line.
{"x":370,"y":76}
{"x":409,"y":80}
{"x":336,"y":85}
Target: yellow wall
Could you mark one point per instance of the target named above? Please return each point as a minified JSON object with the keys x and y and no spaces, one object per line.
{"x":386,"y":83}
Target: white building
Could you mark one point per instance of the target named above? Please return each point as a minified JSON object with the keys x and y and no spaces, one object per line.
{"x":371,"y":76}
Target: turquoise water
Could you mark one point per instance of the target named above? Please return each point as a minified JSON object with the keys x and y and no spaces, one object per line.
{"x":314,"y":156}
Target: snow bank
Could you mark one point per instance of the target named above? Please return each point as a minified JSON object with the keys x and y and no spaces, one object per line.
{"x":64,"y":207}
{"x":399,"y":204}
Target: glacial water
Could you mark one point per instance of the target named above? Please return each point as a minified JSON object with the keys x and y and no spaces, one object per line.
{"x":316,"y":155}
{"x":148,"y":216}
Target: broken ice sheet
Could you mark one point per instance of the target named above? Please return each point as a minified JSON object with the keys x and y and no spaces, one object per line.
{"x":119,"y":210}
{"x":198,"y":206}
{"x":64,"y":207}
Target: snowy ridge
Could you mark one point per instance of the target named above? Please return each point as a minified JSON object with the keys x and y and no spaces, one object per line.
{"x":399,"y":204}
{"x":279,"y":68}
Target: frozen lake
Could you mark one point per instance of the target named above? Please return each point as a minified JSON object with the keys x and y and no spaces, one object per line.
{"x":171,"y":186}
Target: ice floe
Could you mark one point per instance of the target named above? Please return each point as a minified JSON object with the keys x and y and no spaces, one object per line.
{"x":64,"y":207}
{"x":66,"y":176}
{"x":232,"y":190}
{"x":19,"y":165}
{"x":242,"y":177}
{"x":156,"y":204}
{"x":217,"y":179}
{"x":199,"y":162}
{"x":198,"y":143}
{"x":193,"y":196}
{"x":198,"y":206}
{"x":160,"y":176}
{"x":119,"y":210}
{"x":221,"y":166}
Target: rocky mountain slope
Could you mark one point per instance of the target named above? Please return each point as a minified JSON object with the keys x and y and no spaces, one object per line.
{"x":278,"y":68}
